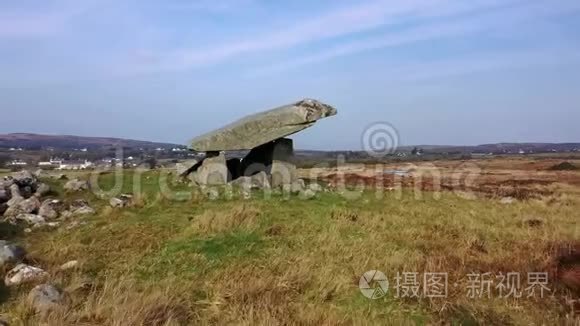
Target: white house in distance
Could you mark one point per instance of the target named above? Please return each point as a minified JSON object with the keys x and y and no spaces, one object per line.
{"x":75,"y":165}
{"x":17,"y":163}
{"x":66,"y":165}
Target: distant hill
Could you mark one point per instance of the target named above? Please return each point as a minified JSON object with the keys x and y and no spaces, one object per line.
{"x":500,"y":148}
{"x":35,"y":141}
{"x":67,"y":142}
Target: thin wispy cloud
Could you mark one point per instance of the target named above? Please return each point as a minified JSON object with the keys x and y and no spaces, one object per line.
{"x":502,"y":20}
{"x":365,"y":16}
{"x":134,"y":38}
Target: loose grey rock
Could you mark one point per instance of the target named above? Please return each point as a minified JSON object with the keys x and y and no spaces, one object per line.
{"x":14,"y":201}
{"x":76,"y":185}
{"x":124,"y":200}
{"x":315,"y":187}
{"x":4,"y":195}
{"x":261,"y":180}
{"x":308,"y":194}
{"x":50,"y":209}
{"x":23,"y":273}
{"x":116,"y":202}
{"x":31,"y":219}
{"x":297,"y":186}
{"x":6,"y":183}
{"x":69,"y":265}
{"x":26,"y":206}
{"x":15,"y":195}
{"x":27,"y":191}
{"x":42,"y":190}
{"x":46,"y":298}
{"x":257,"y":181}
{"x":84,"y":211}
{"x":49,"y":225}
{"x":81,"y":207}
{"x":210,"y":193}
{"x":10,"y":253}
{"x":24,"y":179}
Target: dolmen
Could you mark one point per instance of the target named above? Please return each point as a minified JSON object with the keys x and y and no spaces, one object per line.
{"x":264,"y":136}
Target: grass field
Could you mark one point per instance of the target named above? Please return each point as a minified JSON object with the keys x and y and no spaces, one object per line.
{"x":284,"y":261}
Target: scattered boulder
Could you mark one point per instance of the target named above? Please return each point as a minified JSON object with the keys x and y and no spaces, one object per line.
{"x":15,"y":195}
{"x":23,"y":273}
{"x":49,"y":225}
{"x":50,"y":208}
{"x":4,"y":195}
{"x":76,"y":185}
{"x":295,"y":187}
{"x":315,"y":187}
{"x":261,"y":180}
{"x":31,"y":219}
{"x":42,"y":190}
{"x":257,"y":181}
{"x":308,"y":194}
{"x":46,"y":298}
{"x":210,"y":192}
{"x":69,"y":265}
{"x":122,"y":201}
{"x":24,"y":179}
{"x":6,"y":183}
{"x":10,"y":253}
{"x":80,"y":207}
{"x":24,"y":206}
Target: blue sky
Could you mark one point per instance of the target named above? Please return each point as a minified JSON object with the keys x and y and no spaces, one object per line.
{"x":440,"y":71}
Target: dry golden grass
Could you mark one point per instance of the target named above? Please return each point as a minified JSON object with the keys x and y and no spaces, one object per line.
{"x":282,"y":261}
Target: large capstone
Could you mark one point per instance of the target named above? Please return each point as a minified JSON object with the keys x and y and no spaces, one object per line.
{"x":264,"y":127}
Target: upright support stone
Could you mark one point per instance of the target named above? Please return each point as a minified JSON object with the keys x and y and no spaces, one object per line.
{"x":213,"y":170}
{"x":274,"y":158}
{"x":283,"y":171}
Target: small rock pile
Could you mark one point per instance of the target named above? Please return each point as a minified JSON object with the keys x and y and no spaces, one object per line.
{"x":44,"y":298}
{"x":21,"y":201}
{"x":20,"y":193}
{"x":260,"y":181}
